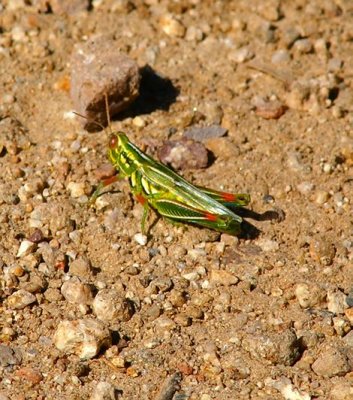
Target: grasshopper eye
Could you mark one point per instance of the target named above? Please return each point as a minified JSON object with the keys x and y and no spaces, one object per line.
{"x":113,"y":142}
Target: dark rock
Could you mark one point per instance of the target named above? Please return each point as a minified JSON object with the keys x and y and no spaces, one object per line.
{"x":199,"y":134}
{"x":183,"y":154}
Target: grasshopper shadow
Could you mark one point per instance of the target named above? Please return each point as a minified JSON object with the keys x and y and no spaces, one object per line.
{"x":249,"y":231}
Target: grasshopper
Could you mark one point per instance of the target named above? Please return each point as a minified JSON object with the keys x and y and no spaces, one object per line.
{"x":156,"y":186}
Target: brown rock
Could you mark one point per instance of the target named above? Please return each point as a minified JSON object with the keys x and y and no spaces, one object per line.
{"x":322,"y":250}
{"x":99,"y":69}
{"x":331,"y":362}
{"x":278,"y":348}
{"x":30,"y":374}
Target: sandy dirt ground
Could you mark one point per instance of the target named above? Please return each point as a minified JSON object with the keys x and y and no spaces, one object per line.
{"x":192,"y":313}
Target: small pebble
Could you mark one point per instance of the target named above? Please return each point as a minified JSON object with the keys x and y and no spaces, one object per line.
{"x":112,"y":307}
{"x":80,"y":267}
{"x":139,"y":122}
{"x":20,"y":299}
{"x":322,"y":250}
{"x":270,"y":110}
{"x":289,"y":36}
{"x":30,"y":374}
{"x":321,"y":197}
{"x":105,"y":171}
{"x":241,"y":55}
{"x":320,"y":47}
{"x":183,"y":319}
{"x":222,"y":148}
{"x":104,"y":391}
{"x":200,"y":134}
{"x":298,"y":95}
{"x":277,"y":348}
{"x":223,"y":277}
{"x":294,"y":161}
{"x":76,"y":292}
{"x":194,"y":34}
{"x":341,"y":391}
{"x":140,"y":239}
{"x":327,"y":168}
{"x":280,"y":56}
{"x":26,"y":247}
{"x":53,"y":295}
{"x":268,"y":245}
{"x":287,"y":389}
{"x":334,"y":64}
{"x":171,"y":26}
{"x":9,"y":356}
{"x":76,"y":189}
{"x":36,"y":236}
{"x":336,"y":302}
{"x":16,"y":270}
{"x":309,"y":296}
{"x":303,"y":46}
{"x":177,"y":298}
{"x":337,"y":111}
{"x":82,"y":337}
{"x":305,"y":187}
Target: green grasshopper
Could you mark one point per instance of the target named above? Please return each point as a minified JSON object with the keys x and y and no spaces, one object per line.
{"x":157,"y":186}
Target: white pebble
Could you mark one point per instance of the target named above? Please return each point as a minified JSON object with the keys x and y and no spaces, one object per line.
{"x":196,"y":253}
{"x":140,"y":239}
{"x":111,"y":307}
{"x":191,"y":276}
{"x":268,"y":245}
{"x":139,"y":122}
{"x":305,"y":187}
{"x":76,"y":189}
{"x":241,"y":55}
{"x":336,"y":302}
{"x":171,"y":26}
{"x":303,"y":46}
{"x":20,"y":299}
{"x":280,"y":56}
{"x":327,"y":168}
{"x":26,"y":247}
{"x":193,"y":34}
{"x":103,"y":391}
{"x":321,"y":197}
{"x":76,"y":292}
{"x":82,"y":337}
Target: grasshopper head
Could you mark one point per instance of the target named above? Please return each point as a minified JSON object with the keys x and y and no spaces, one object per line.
{"x":119,"y":154}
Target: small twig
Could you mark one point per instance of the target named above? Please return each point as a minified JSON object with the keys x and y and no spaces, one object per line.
{"x":281,"y":76}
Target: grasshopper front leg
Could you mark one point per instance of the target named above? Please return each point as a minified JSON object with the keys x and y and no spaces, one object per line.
{"x":102,"y":184}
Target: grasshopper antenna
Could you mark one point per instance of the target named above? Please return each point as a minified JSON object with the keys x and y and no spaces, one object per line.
{"x":107,"y":111}
{"x":96,"y":122}
{"x":89,"y":120}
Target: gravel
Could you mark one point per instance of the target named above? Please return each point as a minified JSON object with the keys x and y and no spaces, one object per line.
{"x":259,"y":316}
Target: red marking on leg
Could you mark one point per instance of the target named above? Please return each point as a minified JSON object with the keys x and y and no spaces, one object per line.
{"x":110,"y":180}
{"x":140,"y":199}
{"x":210,"y":217}
{"x":228,"y":196}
